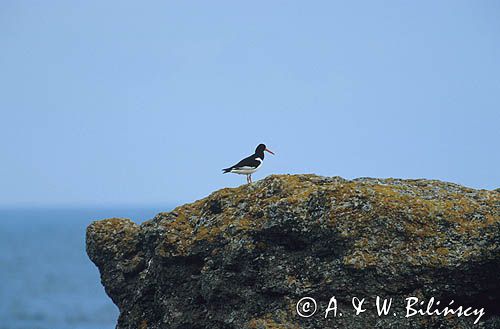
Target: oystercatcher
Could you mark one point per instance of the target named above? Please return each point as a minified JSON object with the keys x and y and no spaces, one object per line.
{"x":250,"y":164}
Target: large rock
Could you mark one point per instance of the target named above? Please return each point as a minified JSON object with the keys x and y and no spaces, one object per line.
{"x":243,"y":257}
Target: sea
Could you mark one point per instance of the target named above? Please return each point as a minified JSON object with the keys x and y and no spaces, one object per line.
{"x":46,"y":279}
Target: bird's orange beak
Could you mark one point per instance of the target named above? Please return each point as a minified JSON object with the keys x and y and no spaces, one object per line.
{"x":269,"y":151}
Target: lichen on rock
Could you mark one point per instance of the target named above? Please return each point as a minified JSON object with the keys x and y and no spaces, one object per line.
{"x":242,"y":257}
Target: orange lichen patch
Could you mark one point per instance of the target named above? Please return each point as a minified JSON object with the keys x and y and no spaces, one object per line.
{"x":114,"y":225}
{"x":191,"y":223}
{"x":106,"y":234}
{"x":177,"y":232}
{"x":361,"y":259}
{"x":442,"y":251}
{"x":291,"y":280}
{"x":490,"y":219}
{"x":298,"y":189}
{"x":390,"y":201}
{"x":420,"y":231}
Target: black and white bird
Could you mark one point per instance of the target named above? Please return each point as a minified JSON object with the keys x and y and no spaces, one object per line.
{"x":250,"y":164}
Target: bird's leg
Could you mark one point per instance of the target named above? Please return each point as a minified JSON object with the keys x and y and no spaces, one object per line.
{"x":248,"y":180}
{"x":250,"y":176}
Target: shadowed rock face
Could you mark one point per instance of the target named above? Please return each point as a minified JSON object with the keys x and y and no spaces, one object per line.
{"x":243,"y":257}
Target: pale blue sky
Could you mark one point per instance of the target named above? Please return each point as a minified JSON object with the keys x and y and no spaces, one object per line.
{"x":118,"y":102}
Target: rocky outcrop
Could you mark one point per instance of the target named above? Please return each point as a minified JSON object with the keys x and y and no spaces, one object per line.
{"x":243,"y":257}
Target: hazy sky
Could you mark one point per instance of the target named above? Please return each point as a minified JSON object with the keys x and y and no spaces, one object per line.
{"x":119,"y":102}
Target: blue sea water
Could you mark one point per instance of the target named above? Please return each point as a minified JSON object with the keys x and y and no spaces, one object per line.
{"x":46,"y":279}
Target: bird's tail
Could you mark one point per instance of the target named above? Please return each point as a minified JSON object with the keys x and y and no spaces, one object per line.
{"x":226,"y":170}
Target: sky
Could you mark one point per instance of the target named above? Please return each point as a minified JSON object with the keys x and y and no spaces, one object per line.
{"x":109,"y":103}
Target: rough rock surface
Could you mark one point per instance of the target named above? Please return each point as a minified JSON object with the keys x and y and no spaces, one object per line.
{"x":243,"y":257}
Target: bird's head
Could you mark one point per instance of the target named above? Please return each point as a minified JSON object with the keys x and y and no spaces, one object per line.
{"x":261,"y":148}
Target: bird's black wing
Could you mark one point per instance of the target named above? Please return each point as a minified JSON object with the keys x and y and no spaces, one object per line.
{"x":247,"y":162}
